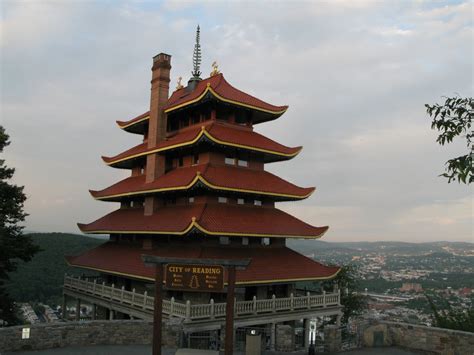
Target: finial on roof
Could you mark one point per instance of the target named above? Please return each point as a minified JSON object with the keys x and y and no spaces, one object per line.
{"x":197,"y":56}
{"x":215,"y":69}
{"x":179,"y":85}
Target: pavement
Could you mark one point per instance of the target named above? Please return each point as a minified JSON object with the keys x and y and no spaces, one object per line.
{"x":146,"y":350}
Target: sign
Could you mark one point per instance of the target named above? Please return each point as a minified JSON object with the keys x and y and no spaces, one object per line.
{"x":25,"y":333}
{"x":190,"y":277}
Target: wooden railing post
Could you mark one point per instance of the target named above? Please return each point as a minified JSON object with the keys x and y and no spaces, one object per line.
{"x":324,"y":299}
{"x":121,"y":293}
{"x":339,"y":296}
{"x":308,"y":300}
{"x":133,"y":296}
{"x":188,"y":310}
{"x":273,"y":304}
{"x":145,"y":295}
{"x":254,"y":304}
{"x":171,"y":306}
{"x":212,"y":308}
{"x":112,"y":292}
{"x":103,"y":289}
{"x":292,"y":307}
{"x":93,"y":287}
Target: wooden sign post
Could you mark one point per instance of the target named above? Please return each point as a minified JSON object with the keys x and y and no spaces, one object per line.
{"x":195,"y":275}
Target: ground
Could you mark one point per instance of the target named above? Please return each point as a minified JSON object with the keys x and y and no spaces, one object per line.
{"x":146,"y":350}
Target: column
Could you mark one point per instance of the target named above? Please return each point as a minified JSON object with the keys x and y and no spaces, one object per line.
{"x":307,"y":332}
{"x":94,"y":311}
{"x":64,"y":307}
{"x":111,"y":314}
{"x":78,"y":309}
{"x":272,"y":336}
{"x":338,"y":320}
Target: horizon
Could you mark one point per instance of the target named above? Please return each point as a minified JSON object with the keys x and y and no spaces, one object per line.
{"x":355,"y":75}
{"x":105,"y":236}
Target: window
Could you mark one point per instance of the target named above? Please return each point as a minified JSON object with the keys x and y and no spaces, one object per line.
{"x":229,"y":161}
{"x":222,"y":199}
{"x":240,"y":201}
{"x":196,"y":158}
{"x":257,"y":203}
{"x":224,"y":240}
{"x":245,"y":241}
{"x":244,"y":163}
{"x":191,"y":200}
{"x":265,"y":241}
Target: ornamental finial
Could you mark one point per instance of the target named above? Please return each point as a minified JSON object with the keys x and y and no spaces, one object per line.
{"x":215,"y":69}
{"x":197,"y":55}
{"x":179,"y":85}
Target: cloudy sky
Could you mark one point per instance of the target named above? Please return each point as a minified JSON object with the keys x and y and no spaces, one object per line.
{"x":356,"y":75}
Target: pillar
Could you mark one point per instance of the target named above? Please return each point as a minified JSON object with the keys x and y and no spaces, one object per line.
{"x":78,"y":309}
{"x":272,"y":336}
{"x":64,"y":307}
{"x":307,"y":332}
{"x":338,"y":320}
{"x":111,"y":314}
{"x":94,"y":311}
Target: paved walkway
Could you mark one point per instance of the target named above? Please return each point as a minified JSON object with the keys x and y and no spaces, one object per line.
{"x":146,"y":350}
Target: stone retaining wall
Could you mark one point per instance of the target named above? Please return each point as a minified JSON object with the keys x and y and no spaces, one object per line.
{"x":58,"y":335}
{"x":429,"y":340}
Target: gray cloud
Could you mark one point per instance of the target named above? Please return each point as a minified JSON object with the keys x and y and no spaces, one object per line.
{"x":355,"y":74}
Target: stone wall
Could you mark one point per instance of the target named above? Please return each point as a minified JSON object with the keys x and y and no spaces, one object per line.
{"x":428,"y":340}
{"x":58,"y":335}
{"x":285,"y":338}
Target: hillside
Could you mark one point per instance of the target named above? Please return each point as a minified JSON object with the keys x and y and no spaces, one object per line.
{"x":41,"y":279}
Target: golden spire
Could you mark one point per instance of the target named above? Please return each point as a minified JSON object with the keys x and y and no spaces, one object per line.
{"x":179,"y":86}
{"x":215,"y":69}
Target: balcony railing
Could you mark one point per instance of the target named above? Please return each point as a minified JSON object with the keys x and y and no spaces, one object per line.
{"x":211,"y":310}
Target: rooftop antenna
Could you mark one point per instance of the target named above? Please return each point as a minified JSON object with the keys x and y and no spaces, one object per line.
{"x":197,"y":56}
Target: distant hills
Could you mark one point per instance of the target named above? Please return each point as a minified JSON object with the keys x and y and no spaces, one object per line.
{"x":41,"y":279}
{"x":315,"y":246}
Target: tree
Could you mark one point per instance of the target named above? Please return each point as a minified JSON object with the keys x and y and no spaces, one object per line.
{"x":353,"y":302}
{"x":14,"y":246}
{"x":452,"y":318}
{"x":453,"y":119}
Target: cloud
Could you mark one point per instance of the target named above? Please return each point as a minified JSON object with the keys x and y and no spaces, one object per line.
{"x":355,"y":74}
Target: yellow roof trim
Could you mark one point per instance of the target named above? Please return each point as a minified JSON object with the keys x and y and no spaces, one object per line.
{"x":194,"y":140}
{"x":288,"y":280}
{"x":134,"y":123}
{"x":210,"y":89}
{"x":199,"y":177}
{"x":196,"y":225}
{"x":237,"y":283}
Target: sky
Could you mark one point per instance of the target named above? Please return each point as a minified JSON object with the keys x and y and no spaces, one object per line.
{"x":355,"y":74}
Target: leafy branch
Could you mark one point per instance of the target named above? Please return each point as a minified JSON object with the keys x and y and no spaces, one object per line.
{"x":454,"y":119}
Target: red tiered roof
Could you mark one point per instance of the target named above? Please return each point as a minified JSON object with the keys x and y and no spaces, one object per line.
{"x":216,"y":177}
{"x":223,"y":91}
{"x":133,"y":121}
{"x":220,"y":133}
{"x":291,"y":266}
{"x":209,"y":218}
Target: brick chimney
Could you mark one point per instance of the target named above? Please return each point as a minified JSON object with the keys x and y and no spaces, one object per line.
{"x":155,"y":164}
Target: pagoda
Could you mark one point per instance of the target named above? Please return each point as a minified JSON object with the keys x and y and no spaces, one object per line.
{"x":198,"y":188}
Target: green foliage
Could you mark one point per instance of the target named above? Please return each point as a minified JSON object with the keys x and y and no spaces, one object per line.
{"x":453,"y":119}
{"x":456,"y":319}
{"x":347,"y":281}
{"x":14,"y":246}
{"x":41,"y":279}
